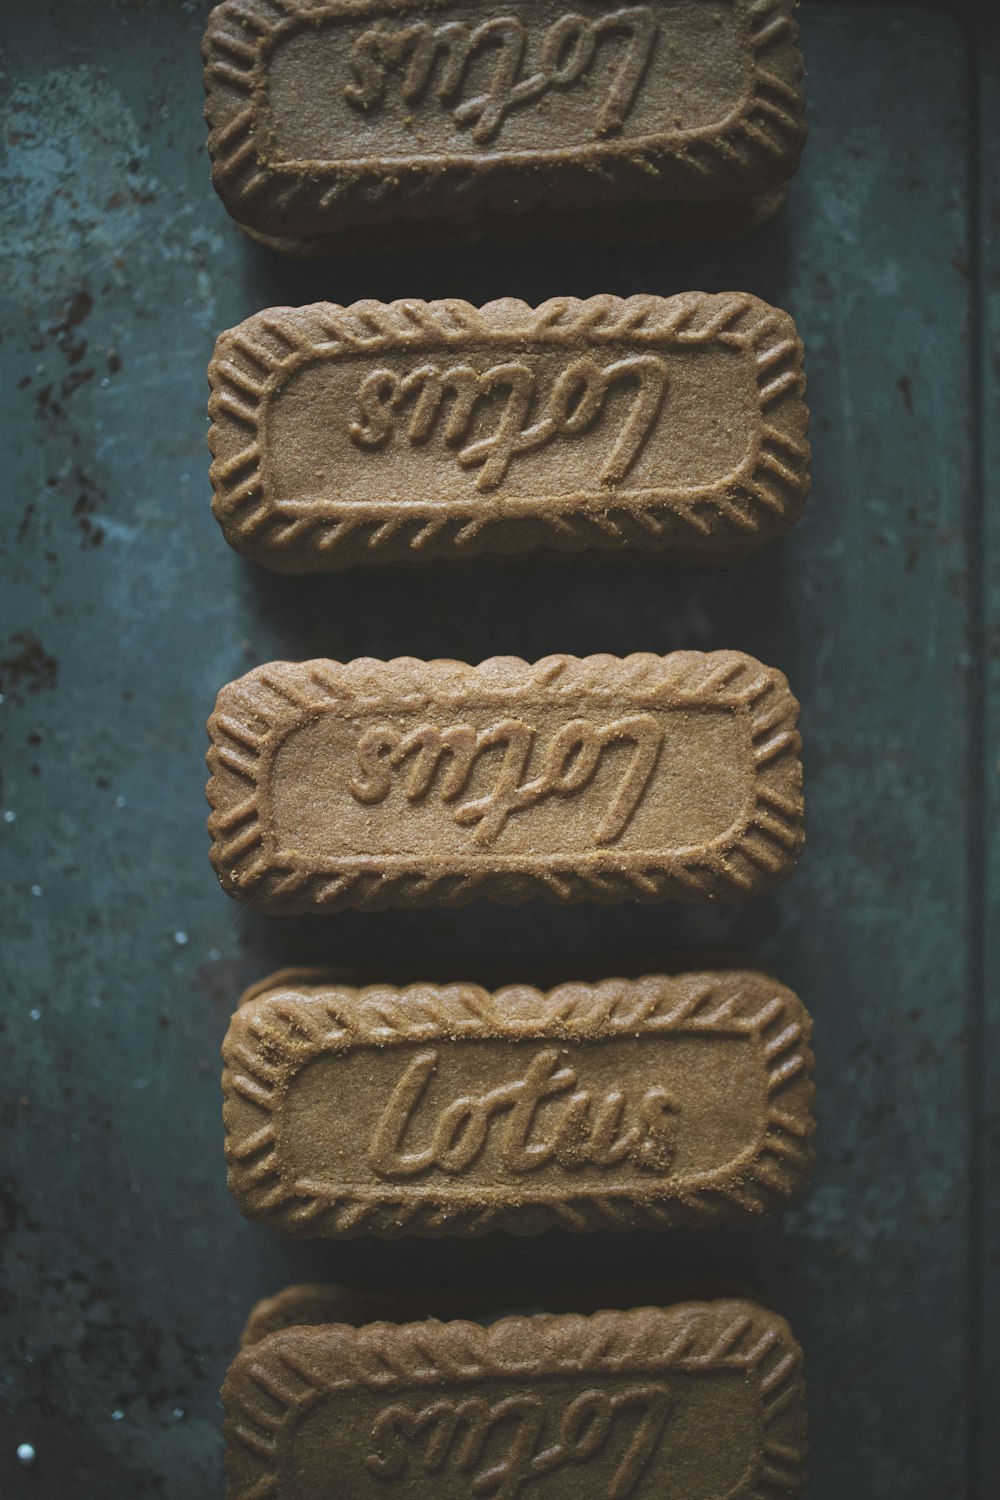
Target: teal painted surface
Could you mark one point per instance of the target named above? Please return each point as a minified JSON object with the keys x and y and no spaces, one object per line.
{"x":127,"y":1270}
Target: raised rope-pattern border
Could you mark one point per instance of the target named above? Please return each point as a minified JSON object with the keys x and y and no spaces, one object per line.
{"x":272,"y":1384}
{"x":257,"y":712}
{"x":758,"y":500}
{"x":278,"y":1033}
{"x":754,"y":148}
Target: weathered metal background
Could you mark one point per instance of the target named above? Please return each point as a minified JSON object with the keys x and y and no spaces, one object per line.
{"x":127,"y":1270}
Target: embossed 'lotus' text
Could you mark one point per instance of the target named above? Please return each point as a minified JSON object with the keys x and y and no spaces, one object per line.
{"x":503,"y":1445}
{"x":445,"y":403}
{"x":569,"y":763}
{"x":566,"y":53}
{"x":585,"y":1132}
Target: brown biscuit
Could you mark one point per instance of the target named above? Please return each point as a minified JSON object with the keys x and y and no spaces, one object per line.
{"x":417,"y":430}
{"x":447,"y":1109}
{"x":409,"y":783}
{"x":700,"y":1401}
{"x":326,"y":116}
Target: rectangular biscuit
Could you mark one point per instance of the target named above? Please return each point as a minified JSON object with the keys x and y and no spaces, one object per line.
{"x":417,"y":430}
{"x":699,"y":1401}
{"x":407,"y":783}
{"x":327,"y":116}
{"x":448,"y":1109}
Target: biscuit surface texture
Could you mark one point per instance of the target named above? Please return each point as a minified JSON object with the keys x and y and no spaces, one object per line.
{"x":448,"y":1109}
{"x":701,"y":1401}
{"x":416,"y":430}
{"x":409,"y":783}
{"x":327,"y":116}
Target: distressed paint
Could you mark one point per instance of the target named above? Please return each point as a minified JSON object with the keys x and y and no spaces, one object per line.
{"x":129,"y":1271}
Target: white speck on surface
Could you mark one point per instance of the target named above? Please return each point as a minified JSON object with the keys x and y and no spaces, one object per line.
{"x":10,"y":815}
{"x":25,"y":1453}
{"x":180,"y":938}
{"x":214,"y":955}
{"x":177,"y":1413}
{"x":105,"y":382}
{"x":119,"y":801}
{"x":95,"y":1001}
{"x":36,"y":890}
{"x":35,"y":1014}
{"x":140,"y":1083}
{"x":117,"y":1415}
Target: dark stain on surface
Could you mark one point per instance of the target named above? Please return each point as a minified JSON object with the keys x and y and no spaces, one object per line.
{"x":906,"y":391}
{"x":25,"y":524}
{"x":91,"y":534}
{"x":27,"y":665}
{"x":76,"y":310}
{"x":14,"y":1213}
{"x":74,"y":381}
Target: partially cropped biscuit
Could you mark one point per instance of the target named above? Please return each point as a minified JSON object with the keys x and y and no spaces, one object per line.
{"x":699,"y":1401}
{"x":450,"y":1109}
{"x":328,"y":119}
{"x":407,"y":783}
{"x":408,"y":431}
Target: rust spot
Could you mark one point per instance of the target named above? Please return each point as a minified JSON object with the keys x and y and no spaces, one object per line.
{"x":28,"y":665}
{"x":91,"y":535}
{"x":73,"y":382}
{"x":78,"y":308}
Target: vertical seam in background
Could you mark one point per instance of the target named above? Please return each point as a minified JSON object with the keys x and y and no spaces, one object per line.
{"x":976,"y":847}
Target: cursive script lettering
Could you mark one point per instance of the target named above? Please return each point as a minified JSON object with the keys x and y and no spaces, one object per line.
{"x":565,"y":56}
{"x":448,"y":398}
{"x":569,"y":763}
{"x":579,"y":1131}
{"x":502,"y":1445}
